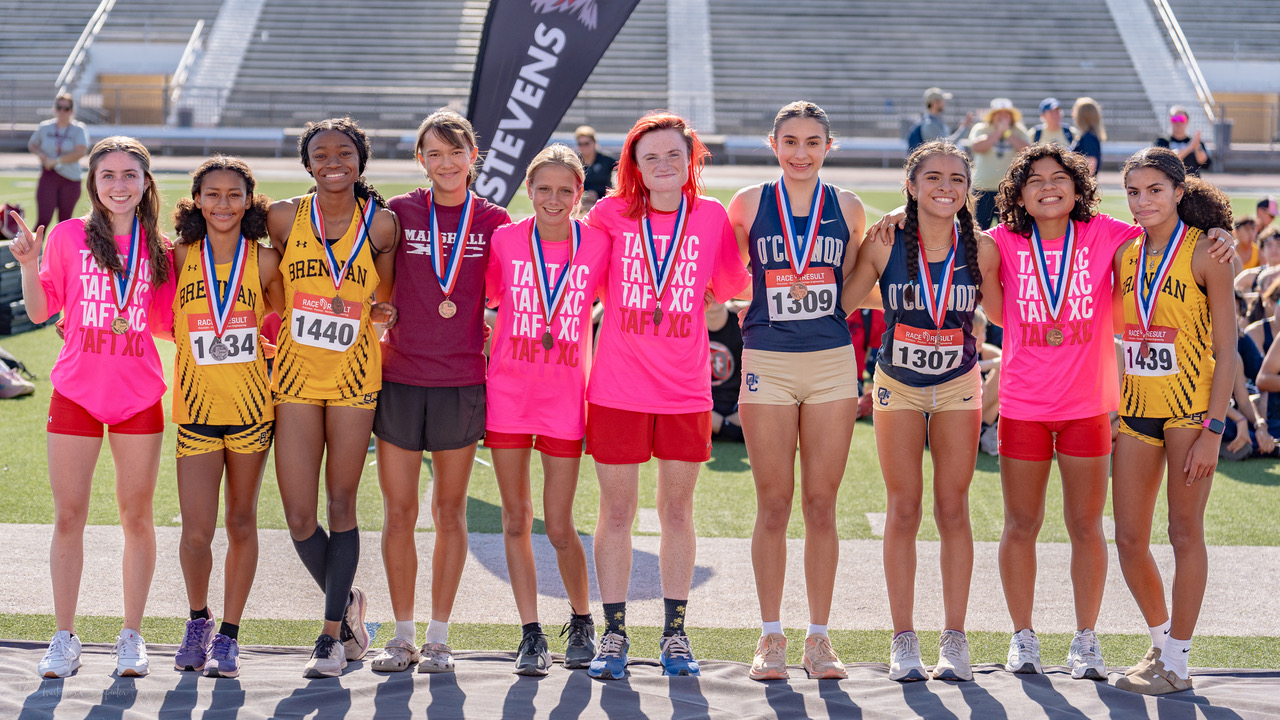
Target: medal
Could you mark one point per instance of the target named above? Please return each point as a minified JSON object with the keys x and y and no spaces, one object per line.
{"x":1054,"y":294}
{"x":218,"y":349}
{"x":799,"y":250}
{"x":936,"y":305}
{"x":220,"y":303}
{"x":337,"y":274}
{"x":122,"y":286}
{"x":661,"y":274}
{"x":551,"y":295}
{"x":1145,"y":295}
{"x":447,"y":271}
{"x":338,"y":306}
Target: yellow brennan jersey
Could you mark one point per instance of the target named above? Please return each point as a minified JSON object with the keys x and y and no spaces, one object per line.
{"x":327,"y":348}
{"x":213,"y":386}
{"x":1173,"y":377}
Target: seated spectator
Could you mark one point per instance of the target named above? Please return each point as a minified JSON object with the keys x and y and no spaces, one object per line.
{"x":1268,"y":208}
{"x":725,"y":336}
{"x":1050,"y":129}
{"x":1194,"y":154}
{"x":1247,"y":247}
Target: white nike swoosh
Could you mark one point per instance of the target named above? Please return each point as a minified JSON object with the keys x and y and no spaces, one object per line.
{"x":824,"y":222}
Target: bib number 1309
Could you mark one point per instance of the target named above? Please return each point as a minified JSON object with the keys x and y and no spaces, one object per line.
{"x":315,"y":324}
{"x":816,"y":300}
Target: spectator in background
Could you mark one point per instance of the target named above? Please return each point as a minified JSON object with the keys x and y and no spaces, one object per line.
{"x":59,"y":143}
{"x":994,"y":142}
{"x":1247,"y":243}
{"x":932,"y":125}
{"x":725,"y":335}
{"x":1195,"y":156}
{"x":1050,"y":129}
{"x":599,"y":167}
{"x":1086,"y":114}
{"x":1267,"y":211}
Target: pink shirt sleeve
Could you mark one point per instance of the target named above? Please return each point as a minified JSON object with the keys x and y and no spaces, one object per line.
{"x":493,"y":278}
{"x":58,"y":250}
{"x":730,"y":275}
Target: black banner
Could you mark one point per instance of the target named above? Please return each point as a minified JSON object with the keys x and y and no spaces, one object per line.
{"x":534,"y":57}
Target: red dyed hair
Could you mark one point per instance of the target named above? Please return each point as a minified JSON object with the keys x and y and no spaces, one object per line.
{"x":630,"y":183}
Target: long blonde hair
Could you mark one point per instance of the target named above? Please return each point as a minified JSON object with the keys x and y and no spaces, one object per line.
{"x":1087,"y":115}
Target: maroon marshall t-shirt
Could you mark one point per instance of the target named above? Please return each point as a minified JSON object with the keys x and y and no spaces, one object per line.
{"x":423,"y":348}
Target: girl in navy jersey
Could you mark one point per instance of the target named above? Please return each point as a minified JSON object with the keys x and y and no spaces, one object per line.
{"x":433,"y":397}
{"x":799,"y":372}
{"x":928,"y":385}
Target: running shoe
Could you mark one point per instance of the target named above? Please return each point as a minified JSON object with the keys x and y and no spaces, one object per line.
{"x":327,"y":658}
{"x":131,"y":655}
{"x":953,"y":657}
{"x":354,"y":635}
{"x":397,"y":656}
{"x":194,"y":649}
{"x":436,"y":658}
{"x":610,"y":661}
{"x":905,"y":664}
{"x":63,"y":656}
{"x":533,"y":658}
{"x":676,"y":655}
{"x":770,"y":662}
{"x":224,"y":657}
{"x":1153,"y":679}
{"x":1024,"y":653}
{"x":1085,"y":657}
{"x":580,"y":647}
{"x":820,"y":660}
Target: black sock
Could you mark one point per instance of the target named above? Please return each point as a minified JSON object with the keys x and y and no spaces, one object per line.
{"x":533,"y":627}
{"x":231,"y":631}
{"x":312,"y":552}
{"x":615,"y":618}
{"x":201,"y":614}
{"x":340,"y":564}
{"x":675,"y":617}
{"x":586,"y":618}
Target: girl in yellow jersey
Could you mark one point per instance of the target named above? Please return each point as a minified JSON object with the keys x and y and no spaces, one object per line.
{"x":336,"y":260}
{"x":1178,"y":317}
{"x":227,"y":283}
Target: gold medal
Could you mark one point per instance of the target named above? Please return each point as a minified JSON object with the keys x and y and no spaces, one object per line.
{"x":798,"y":291}
{"x":547,"y":341}
{"x":657,"y":316}
{"x":119,"y":326}
{"x":448,"y":309}
{"x":1054,"y":336}
{"x":937,"y":340}
{"x":338,"y":306}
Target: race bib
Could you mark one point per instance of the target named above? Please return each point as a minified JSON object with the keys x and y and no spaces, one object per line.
{"x":238,"y":344}
{"x":316,"y":323}
{"x":788,"y":302}
{"x":929,"y":352}
{"x":1161,"y":358}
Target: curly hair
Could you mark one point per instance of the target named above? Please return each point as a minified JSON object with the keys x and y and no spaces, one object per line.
{"x":188,"y":220}
{"x":1202,"y":206}
{"x":630,"y":185}
{"x":964,"y":216}
{"x":345,"y":125}
{"x":98,"y":235}
{"x":1015,"y":216}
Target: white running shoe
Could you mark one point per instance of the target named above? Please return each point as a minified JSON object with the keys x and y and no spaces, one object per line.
{"x":327,"y":658}
{"x":1085,"y":657}
{"x":1024,"y":653}
{"x":904,"y":659}
{"x":63,"y":656}
{"x":131,"y":655}
{"x":953,"y":657}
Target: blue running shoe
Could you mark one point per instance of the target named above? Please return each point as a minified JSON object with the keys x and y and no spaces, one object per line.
{"x":610,"y":661}
{"x":224,"y":658}
{"x":194,"y":650}
{"x":676,"y":656}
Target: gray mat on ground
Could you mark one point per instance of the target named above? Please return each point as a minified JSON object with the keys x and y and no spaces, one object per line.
{"x":271,"y":686}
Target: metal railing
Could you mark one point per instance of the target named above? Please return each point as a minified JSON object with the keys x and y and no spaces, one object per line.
{"x":1183,"y":48}
{"x":80,"y":53}
{"x":183,"y":72}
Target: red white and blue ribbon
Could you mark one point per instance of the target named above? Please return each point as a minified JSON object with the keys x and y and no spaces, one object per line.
{"x":1054,"y":293}
{"x":1144,"y":295}
{"x":336,"y":273}
{"x":799,"y":250}
{"x":937,"y":305}
{"x":220,"y":304}
{"x":661,"y":274}
{"x":551,"y":295}
{"x":122,"y":285}
{"x":447,"y":271}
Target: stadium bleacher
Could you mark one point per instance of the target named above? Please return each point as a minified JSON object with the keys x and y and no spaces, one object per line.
{"x":1235,"y":30}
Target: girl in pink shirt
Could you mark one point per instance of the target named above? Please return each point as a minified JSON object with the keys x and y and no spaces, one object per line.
{"x":542,"y":276}
{"x":111,"y":276}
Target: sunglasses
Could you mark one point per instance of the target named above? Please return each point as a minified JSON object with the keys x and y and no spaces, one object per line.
{"x":1178,"y":118}
{"x":62,"y":107}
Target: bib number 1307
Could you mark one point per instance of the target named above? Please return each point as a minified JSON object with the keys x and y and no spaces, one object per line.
{"x":929,"y":352}
{"x":315,"y":324}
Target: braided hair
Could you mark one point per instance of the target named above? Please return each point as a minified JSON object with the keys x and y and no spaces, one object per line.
{"x":911,"y":224}
{"x":345,"y":125}
{"x":188,"y":220}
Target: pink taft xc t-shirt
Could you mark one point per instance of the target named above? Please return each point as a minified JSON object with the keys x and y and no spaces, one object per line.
{"x":664,"y":367}
{"x":113,"y":377}
{"x":1078,"y":378}
{"x":532,"y":389}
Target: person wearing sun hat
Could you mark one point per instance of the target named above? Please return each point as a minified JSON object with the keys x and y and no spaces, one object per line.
{"x":994,"y":142}
{"x":1194,"y":153}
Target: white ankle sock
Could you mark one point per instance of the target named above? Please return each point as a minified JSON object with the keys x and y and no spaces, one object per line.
{"x":1174,"y":656}
{"x":438,"y":632}
{"x":817,"y":629}
{"x":1159,"y":634}
{"x":407,"y":631}
{"x":771,"y":628}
